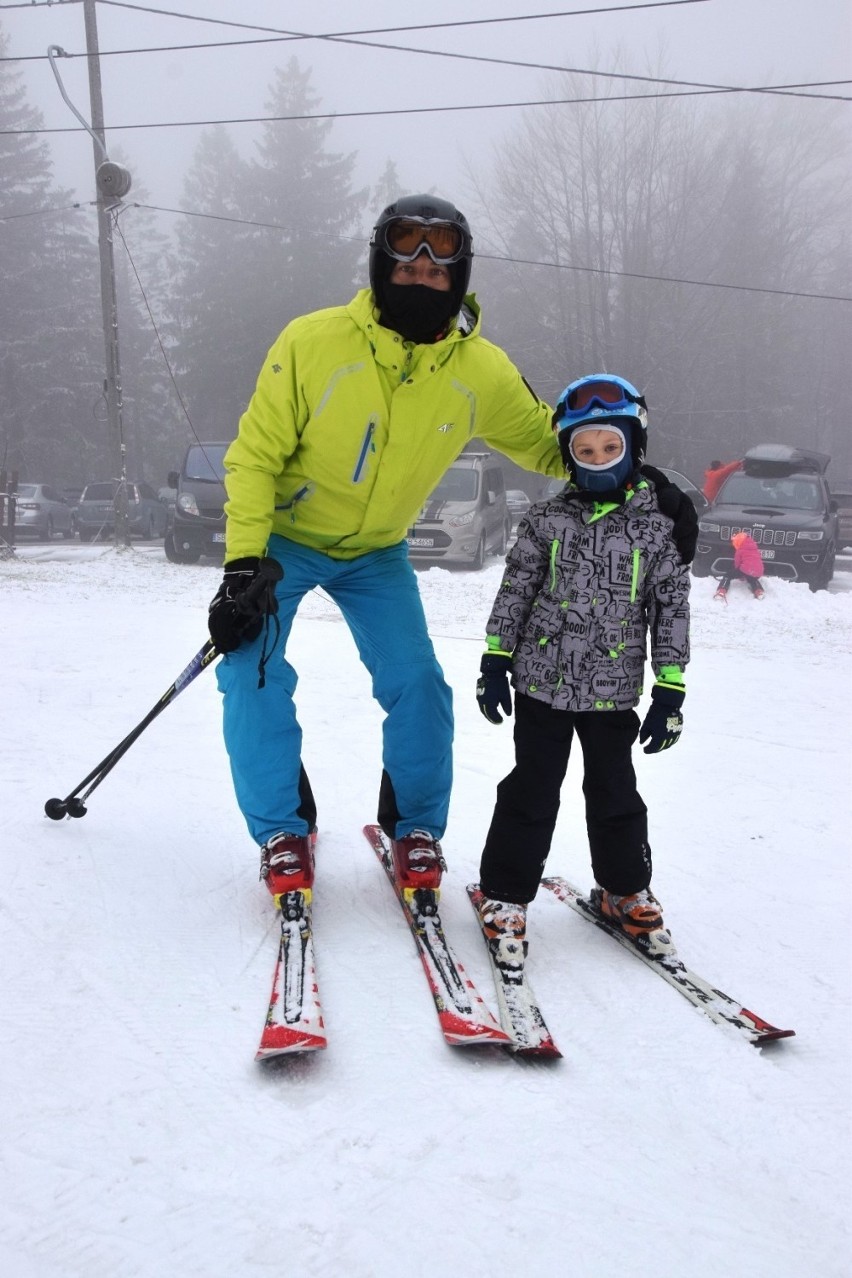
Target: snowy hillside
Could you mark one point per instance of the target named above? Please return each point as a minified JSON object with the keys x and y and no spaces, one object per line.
{"x":141,"y":1140}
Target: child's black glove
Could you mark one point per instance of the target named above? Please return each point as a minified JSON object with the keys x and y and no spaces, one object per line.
{"x":245,"y":597}
{"x":664,"y":722}
{"x":492,"y":689}
{"x":679,"y":508}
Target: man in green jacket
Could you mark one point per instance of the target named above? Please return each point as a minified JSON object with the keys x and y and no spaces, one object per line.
{"x":358,"y":412}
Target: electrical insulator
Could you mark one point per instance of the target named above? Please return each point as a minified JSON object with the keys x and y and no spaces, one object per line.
{"x":113,"y":180}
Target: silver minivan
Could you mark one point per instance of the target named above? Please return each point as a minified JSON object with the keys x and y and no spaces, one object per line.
{"x":466,"y":517}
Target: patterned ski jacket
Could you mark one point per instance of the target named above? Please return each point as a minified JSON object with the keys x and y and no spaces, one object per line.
{"x":350,"y":429}
{"x":585,"y":584}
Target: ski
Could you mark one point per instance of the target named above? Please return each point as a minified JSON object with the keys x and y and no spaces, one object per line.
{"x":294,"y":1019}
{"x":520,"y":1014}
{"x":715,"y":1004}
{"x":464,"y":1019}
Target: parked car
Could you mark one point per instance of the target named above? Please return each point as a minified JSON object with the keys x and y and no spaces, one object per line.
{"x":842,"y":494}
{"x":782,"y":500}
{"x":692,"y":490}
{"x":518,"y":503}
{"x":197,"y":519}
{"x":42,"y":511}
{"x":466,"y":516}
{"x":72,"y":495}
{"x":99,"y":504}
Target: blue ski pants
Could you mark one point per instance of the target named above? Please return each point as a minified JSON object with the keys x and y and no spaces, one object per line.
{"x":378,"y":596}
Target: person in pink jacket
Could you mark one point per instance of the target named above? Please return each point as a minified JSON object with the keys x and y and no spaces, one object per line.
{"x":748,"y":566}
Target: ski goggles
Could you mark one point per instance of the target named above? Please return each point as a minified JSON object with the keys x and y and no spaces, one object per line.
{"x":404,"y":238}
{"x":609,"y":395}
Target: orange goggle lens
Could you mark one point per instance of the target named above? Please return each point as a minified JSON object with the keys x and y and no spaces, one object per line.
{"x":443,"y":240}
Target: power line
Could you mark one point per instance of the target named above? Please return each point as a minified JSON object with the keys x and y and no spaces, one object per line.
{"x":520,"y":261}
{"x":430,"y":26}
{"x":395,"y":111}
{"x":65,"y":208}
{"x":345,"y":38}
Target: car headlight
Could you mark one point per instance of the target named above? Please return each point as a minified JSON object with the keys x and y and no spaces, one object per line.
{"x":188,"y":504}
{"x":704,"y":526}
{"x":810,"y":536}
{"x":462,"y":521}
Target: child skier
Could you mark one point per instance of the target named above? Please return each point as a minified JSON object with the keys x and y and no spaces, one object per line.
{"x":748,"y":567}
{"x":593,"y":571}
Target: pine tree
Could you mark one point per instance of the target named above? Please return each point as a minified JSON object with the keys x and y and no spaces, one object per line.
{"x":304,"y":191}
{"x":51,"y":342}
{"x":212,"y":328}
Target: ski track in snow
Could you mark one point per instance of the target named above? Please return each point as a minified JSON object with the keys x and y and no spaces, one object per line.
{"x":140,"y":1139}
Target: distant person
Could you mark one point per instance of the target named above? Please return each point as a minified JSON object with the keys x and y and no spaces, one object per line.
{"x":594,"y":573}
{"x":716,"y":474}
{"x":748,"y":567}
{"x":358,"y":412}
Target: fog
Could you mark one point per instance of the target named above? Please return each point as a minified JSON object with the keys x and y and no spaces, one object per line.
{"x":458,"y":119}
{"x":745,"y":43}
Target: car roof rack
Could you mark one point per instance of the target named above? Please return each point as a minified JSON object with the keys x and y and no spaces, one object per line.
{"x":783,"y":459}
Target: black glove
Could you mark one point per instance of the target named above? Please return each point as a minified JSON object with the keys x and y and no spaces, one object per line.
{"x":242,"y":602}
{"x":664,"y":722}
{"x":678,"y":506}
{"x":492,"y":689}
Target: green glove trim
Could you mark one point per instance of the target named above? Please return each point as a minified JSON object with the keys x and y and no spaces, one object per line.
{"x":493,"y":644}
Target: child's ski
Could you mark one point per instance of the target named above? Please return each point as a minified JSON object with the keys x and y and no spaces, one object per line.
{"x":520,"y":1014}
{"x":720,"y":1007}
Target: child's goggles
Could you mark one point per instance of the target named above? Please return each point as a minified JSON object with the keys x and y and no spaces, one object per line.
{"x":611,"y":396}
{"x":403,"y":238}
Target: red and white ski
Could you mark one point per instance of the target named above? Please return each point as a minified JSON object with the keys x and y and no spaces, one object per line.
{"x":464,"y":1018}
{"x":715,"y":1004}
{"x":294,"y":1019}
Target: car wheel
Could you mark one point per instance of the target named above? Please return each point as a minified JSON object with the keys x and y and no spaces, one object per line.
{"x":149,"y":529}
{"x":86,"y":534}
{"x":700,"y":568}
{"x":479,"y":558}
{"x":176,"y":556}
{"x":503,"y":543}
{"x":48,"y":529}
{"x":825,"y":574}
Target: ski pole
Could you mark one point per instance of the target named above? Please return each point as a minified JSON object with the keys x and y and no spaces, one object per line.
{"x":74,"y":804}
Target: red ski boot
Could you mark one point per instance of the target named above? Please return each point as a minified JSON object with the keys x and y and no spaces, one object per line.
{"x":287,"y":863}
{"x":417,"y":861}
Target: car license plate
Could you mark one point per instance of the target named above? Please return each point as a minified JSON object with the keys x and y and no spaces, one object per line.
{"x":767,"y":554}
{"x":421,"y":541}
{"x":218,"y":537}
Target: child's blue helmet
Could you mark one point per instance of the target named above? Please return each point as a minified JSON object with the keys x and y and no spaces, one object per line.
{"x":596,"y":400}
{"x":599,"y":395}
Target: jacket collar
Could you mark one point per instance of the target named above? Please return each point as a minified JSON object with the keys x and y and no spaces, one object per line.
{"x":387,"y":344}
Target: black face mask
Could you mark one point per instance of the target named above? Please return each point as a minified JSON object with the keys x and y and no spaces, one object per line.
{"x":415,"y":311}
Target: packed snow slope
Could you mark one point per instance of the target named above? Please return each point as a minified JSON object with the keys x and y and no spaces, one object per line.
{"x":141,"y":1139}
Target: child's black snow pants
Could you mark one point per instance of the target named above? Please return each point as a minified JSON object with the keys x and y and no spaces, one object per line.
{"x":527,"y":805}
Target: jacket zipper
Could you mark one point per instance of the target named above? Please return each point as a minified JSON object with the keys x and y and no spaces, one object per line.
{"x":367,"y":446}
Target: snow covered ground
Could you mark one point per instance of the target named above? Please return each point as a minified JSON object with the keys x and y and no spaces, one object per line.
{"x":141,"y":1140}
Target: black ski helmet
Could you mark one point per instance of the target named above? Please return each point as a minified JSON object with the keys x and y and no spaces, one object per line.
{"x":424,"y":206}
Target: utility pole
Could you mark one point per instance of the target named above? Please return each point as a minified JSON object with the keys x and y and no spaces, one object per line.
{"x":113,"y":182}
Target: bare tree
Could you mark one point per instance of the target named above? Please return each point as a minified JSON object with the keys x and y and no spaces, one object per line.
{"x":623,"y":199}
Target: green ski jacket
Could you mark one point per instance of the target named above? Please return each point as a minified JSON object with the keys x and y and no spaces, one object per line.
{"x":350,"y":429}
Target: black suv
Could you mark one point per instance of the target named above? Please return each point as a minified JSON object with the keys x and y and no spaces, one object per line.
{"x":781,"y":498}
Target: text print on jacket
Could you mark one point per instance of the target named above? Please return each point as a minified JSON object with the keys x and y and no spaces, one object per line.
{"x":581,"y":593}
